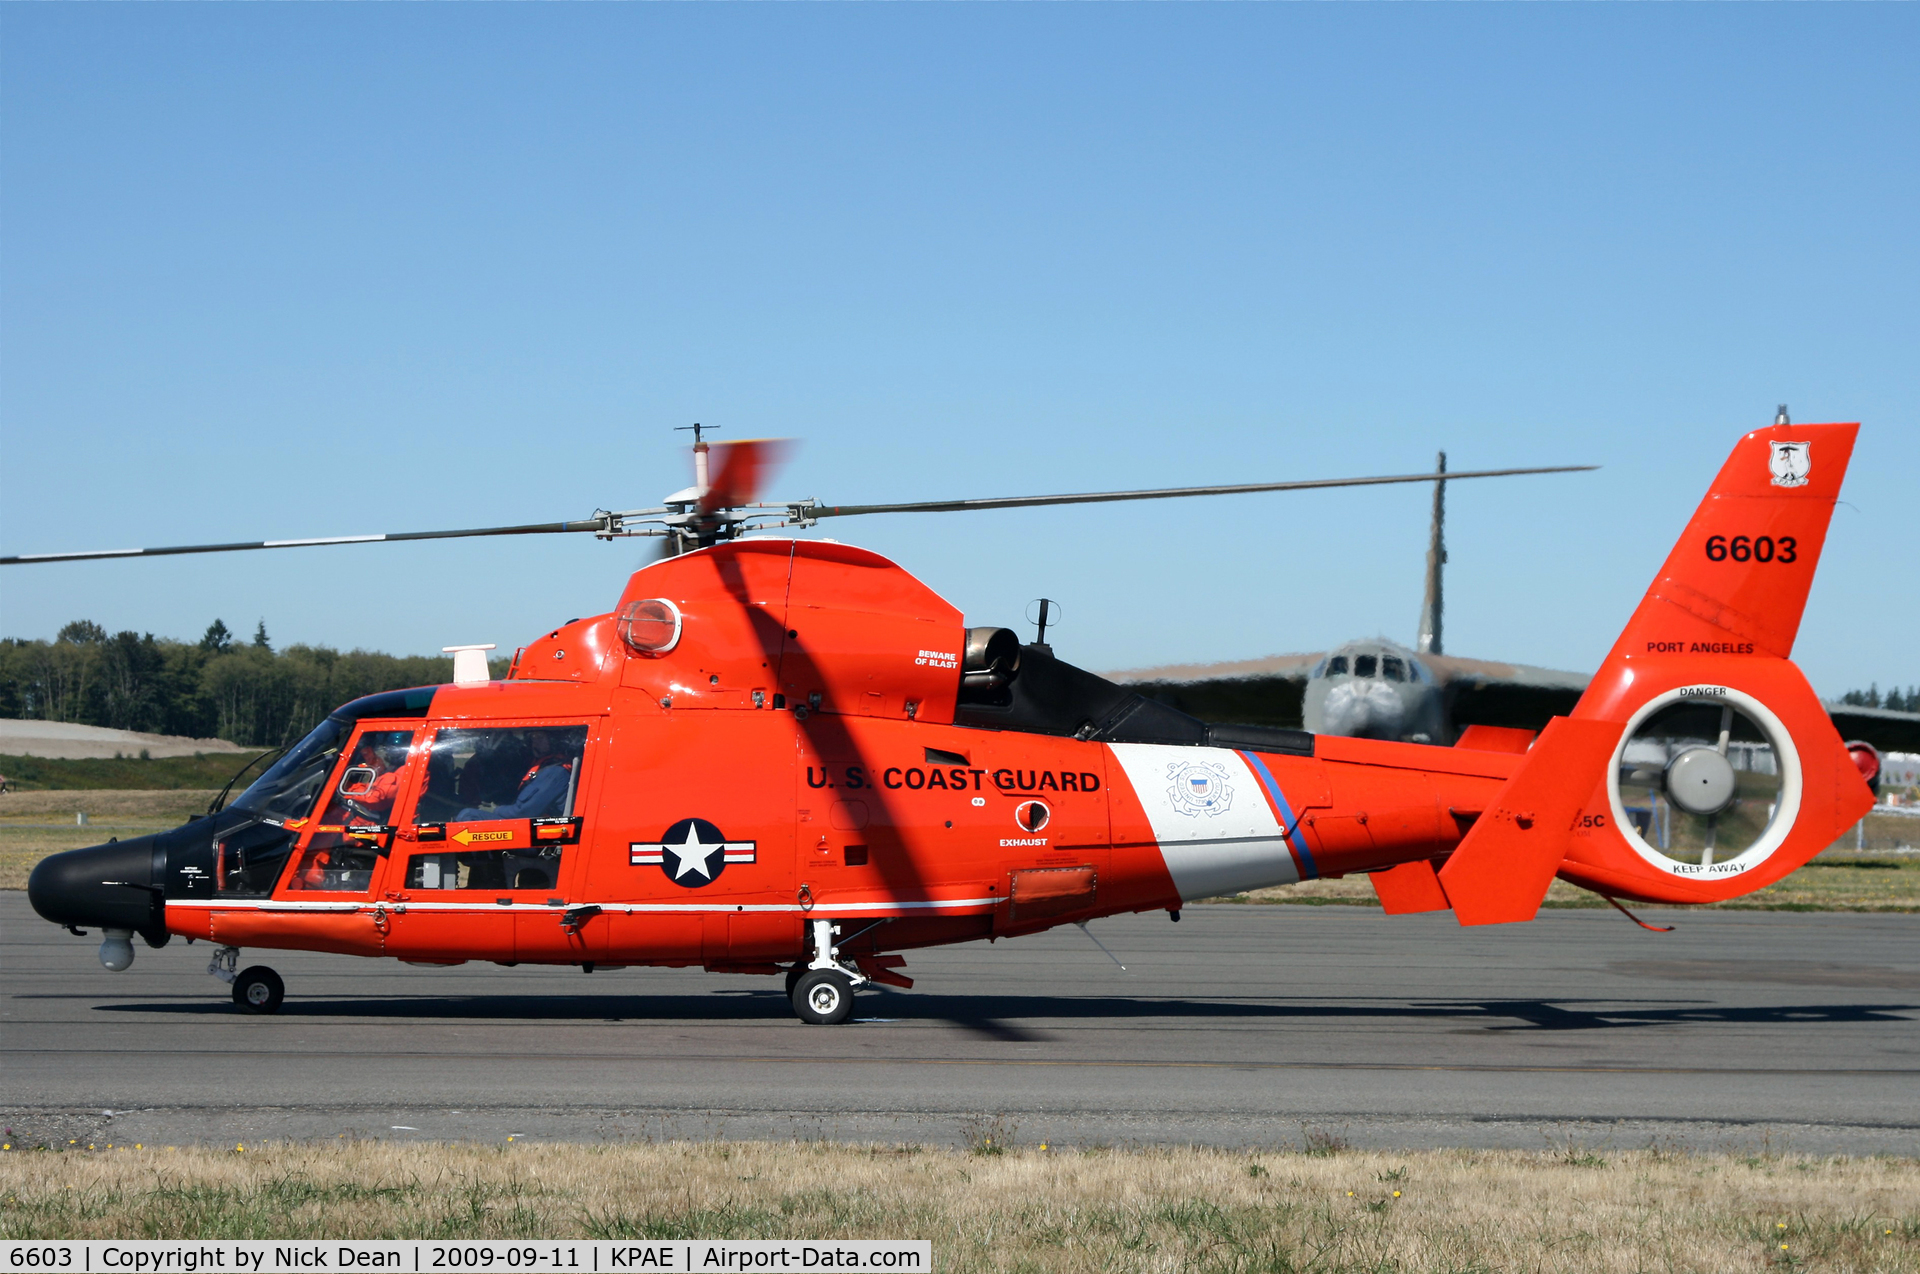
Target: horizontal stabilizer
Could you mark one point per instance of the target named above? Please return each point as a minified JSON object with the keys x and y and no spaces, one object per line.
{"x":1501,"y":870}
{"x":1494,"y":738}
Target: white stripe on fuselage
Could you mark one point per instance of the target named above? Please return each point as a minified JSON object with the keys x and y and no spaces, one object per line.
{"x":286,"y":906}
{"x":1212,"y":822}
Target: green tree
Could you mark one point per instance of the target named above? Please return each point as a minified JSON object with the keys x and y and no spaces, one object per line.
{"x":217,"y":639}
{"x":61,"y":674}
{"x":82,"y":632}
{"x":131,"y":668}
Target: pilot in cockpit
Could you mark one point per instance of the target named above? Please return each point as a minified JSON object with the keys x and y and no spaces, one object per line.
{"x":386,"y":757}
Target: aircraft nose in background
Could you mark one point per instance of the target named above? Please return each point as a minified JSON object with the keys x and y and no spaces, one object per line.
{"x":106,"y":886}
{"x":1364,"y":708}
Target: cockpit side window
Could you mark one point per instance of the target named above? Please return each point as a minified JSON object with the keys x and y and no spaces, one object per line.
{"x":1319,"y":671}
{"x":1364,"y":665}
{"x":354,"y":828}
{"x":1337,"y":666}
{"x":1394,"y":669}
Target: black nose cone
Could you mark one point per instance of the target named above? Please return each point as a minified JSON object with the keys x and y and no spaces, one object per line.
{"x":114,"y":886}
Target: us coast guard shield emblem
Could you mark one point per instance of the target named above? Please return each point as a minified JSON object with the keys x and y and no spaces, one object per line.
{"x":1790,"y":463}
{"x":1199,"y":787}
{"x":692,"y":853}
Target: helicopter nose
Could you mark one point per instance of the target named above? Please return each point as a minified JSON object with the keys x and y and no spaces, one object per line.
{"x":111,"y":886}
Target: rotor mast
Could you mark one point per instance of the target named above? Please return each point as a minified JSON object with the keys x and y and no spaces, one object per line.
{"x":702,"y":478}
{"x":684,"y":532}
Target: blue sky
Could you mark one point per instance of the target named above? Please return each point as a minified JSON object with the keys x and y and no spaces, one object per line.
{"x":311,"y":270}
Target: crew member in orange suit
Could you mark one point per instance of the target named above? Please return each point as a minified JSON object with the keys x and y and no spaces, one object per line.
{"x":388,"y":761}
{"x":368,"y":807}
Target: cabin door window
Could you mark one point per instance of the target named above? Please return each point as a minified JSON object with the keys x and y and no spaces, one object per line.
{"x":497,"y":809}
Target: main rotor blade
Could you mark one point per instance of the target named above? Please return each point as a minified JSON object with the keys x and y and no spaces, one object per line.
{"x":1164,"y":493}
{"x":745,"y":464}
{"x":538,"y":528}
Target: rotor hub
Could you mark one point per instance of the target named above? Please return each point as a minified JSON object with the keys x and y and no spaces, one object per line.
{"x":1700,"y":781}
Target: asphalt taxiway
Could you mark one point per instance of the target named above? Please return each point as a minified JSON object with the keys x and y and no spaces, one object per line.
{"x":1241,"y":1025}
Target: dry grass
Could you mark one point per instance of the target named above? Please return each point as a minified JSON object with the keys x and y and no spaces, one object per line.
{"x":1023,"y":1209}
{"x":173,"y":804}
{"x":1835,"y":881}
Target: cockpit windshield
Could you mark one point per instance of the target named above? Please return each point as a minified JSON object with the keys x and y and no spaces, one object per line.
{"x":290,"y":788}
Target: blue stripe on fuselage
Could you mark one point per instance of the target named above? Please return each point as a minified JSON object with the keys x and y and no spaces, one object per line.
{"x":1308,"y":871}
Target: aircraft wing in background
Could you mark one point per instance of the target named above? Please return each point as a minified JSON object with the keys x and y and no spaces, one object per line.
{"x":1274,"y":691}
{"x":1248,"y":692}
{"x":1489,"y":692}
{"x":1885,"y":729}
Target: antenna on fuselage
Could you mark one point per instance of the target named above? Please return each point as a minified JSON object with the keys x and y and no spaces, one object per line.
{"x":1429,"y":643}
{"x":1047,"y":606}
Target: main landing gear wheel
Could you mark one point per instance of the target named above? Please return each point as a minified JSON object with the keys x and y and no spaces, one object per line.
{"x":823,"y":997}
{"x":259,"y":990}
{"x":794,"y":975}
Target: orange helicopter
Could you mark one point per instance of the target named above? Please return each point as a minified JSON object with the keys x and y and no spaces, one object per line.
{"x":784,"y":756}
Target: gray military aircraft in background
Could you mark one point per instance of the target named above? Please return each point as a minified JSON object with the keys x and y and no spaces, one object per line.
{"x":1378,"y":689}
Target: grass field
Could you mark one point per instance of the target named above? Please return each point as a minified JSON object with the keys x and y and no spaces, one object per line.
{"x":993,"y":1207}
{"x":38,"y":773}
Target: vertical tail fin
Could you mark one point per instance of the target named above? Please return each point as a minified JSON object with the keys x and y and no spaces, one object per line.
{"x":1725,"y":772}
{"x":1737,"y":581}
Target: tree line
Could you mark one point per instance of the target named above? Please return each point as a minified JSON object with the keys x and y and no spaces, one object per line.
{"x":217,"y":687}
{"x":1872,"y":698}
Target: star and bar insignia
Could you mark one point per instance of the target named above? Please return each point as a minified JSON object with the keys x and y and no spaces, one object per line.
{"x":693,"y":852}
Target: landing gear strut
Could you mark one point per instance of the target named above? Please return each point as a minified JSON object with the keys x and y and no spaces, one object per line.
{"x":822,"y":990}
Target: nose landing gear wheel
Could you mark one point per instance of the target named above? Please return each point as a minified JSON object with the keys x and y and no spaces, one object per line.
{"x":259,"y":990}
{"x":823,"y":997}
